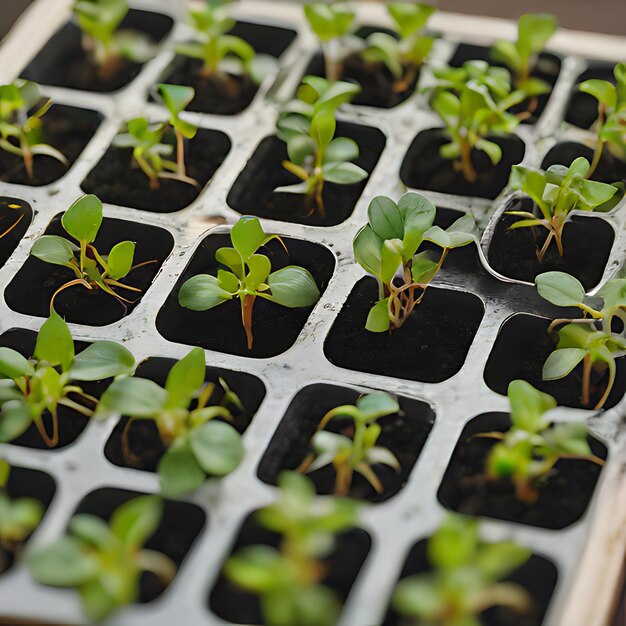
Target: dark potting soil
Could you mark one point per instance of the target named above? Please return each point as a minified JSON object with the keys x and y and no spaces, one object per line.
{"x":17,"y":214}
{"x":25,"y":483}
{"x":230,"y":97}
{"x":520,"y":350}
{"x":538,"y":576}
{"x":71,"y":423}
{"x":403,"y":433}
{"x":275,"y":327}
{"x":62,"y":62}
{"x":180,"y":525}
{"x":582,"y":109}
{"x":233,"y":604}
{"x":610,"y":169}
{"x":564,"y":493}
{"x":430,"y":347}
{"x":423,"y":167}
{"x":117,"y":179}
{"x":546,"y":68}
{"x":32,"y":287}
{"x":587,"y":243}
{"x":66,"y":128}
{"x":253,"y":191}
{"x":143,"y":435}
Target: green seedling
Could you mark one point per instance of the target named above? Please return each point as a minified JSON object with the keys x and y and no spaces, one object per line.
{"x":556,"y":193}
{"x":359,"y":452}
{"x":14,"y":207}
{"x":18,"y":517}
{"x":528,"y":451}
{"x":221,"y":53}
{"x":387,"y":247}
{"x":466,"y":579}
{"x":92,"y":271}
{"x":105,"y":561}
{"x":197,"y":443}
{"x":21,"y":132}
{"x":611,"y":123}
{"x":534,"y":30}
{"x":405,"y":54}
{"x":590,"y":339}
{"x":332,"y":24}
{"x":307,"y":125}
{"x":31,"y":387}
{"x":99,"y":21}
{"x":473,"y":102}
{"x":289,"y":580}
{"x":249,"y":276}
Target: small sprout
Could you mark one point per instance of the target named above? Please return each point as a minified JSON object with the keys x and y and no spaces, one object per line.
{"x":92,"y":271}
{"x":387,"y":247}
{"x":528,"y":451}
{"x":21,"y":132}
{"x":359,"y":452}
{"x":307,"y":125}
{"x":31,"y":387}
{"x":18,"y":517}
{"x":221,"y":53}
{"x":556,"y":193}
{"x":250,"y":276}
{"x":404,"y":56}
{"x":106,"y":45}
{"x":332,"y":23}
{"x":289,"y":579}
{"x":534,"y":30}
{"x":611,"y":122}
{"x":467,"y":578}
{"x":473,"y":102}
{"x":15,"y":223}
{"x":581,"y":339}
{"x":105,"y":561}
{"x":197,"y":443}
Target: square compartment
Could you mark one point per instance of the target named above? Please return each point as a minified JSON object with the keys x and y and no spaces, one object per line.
{"x":582,"y":108}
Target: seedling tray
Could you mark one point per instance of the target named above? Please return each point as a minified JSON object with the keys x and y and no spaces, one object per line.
{"x":587,"y":554}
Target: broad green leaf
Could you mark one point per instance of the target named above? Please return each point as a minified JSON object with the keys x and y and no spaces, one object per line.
{"x":328,"y":21}
{"x":135,"y":521}
{"x":247,"y":236}
{"x":176,"y":97}
{"x":528,"y":405}
{"x":231,"y":259}
{"x":185,"y":379}
{"x":367,"y":250}
{"x":217,"y":447}
{"x":179,"y":471}
{"x":420,"y":597}
{"x":120,"y":259}
{"x":323,"y":127}
{"x":135,"y":397}
{"x":391,"y":257}
{"x":260,"y":268}
{"x":602,"y":90}
{"x":15,"y":418}
{"x":568,"y":438}
{"x":454,"y":544}
{"x":410,"y":17}
{"x":315,"y":605}
{"x":256,"y":568}
{"x":98,"y":601}
{"x":533,"y":32}
{"x":418,"y":214}
{"x":560,"y":289}
{"x":100,"y":360}
{"x":491,"y":149}
{"x":92,"y":529}
{"x":62,"y":563}
{"x":385,"y":218}
{"x":341,"y":149}
{"x":423,"y":267}
{"x":13,"y":364}
{"x":54,"y":344}
{"x":83,"y":219}
{"x":613,"y":293}
{"x":378,"y":318}
{"x":377,"y":404}
{"x":202,"y":292}
{"x":495,"y":561}
{"x":561,"y":362}
{"x":293,"y":287}
{"x":53,"y":249}
{"x":299,"y":148}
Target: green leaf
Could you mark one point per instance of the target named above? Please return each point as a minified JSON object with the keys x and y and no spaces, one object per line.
{"x":568,"y":438}
{"x":299,"y":148}
{"x":260,"y":267}
{"x":343,"y":173}
{"x":100,"y":360}
{"x":410,"y":17}
{"x":91,"y":529}
{"x":560,"y":289}
{"x":120,"y":259}
{"x":83,"y":219}
{"x":13,"y":364}
{"x":202,"y":292}
{"x":420,"y":597}
{"x":53,"y":249}
{"x":247,"y":236}
{"x":377,"y":404}
{"x":217,"y":447}
{"x":176,"y":97}
{"x":328,"y":21}
{"x":385,"y":218}
{"x":561,"y":362}
{"x":601,"y":90}
{"x":378,"y":318}
{"x":185,"y":379}
{"x":391,"y":257}
{"x":15,"y":418}
{"x":613,"y":293}
{"x":179,"y":471}
{"x":231,"y":259}
{"x":293,"y":287}
{"x":495,"y":561}
{"x":367,"y":250}
{"x":54,"y":344}
{"x":323,"y":127}
{"x":256,"y":568}
{"x":62,"y":564}
{"x":98,"y":601}
{"x":341,"y":149}
{"x":135,"y":397}
{"x":491,"y":149}
{"x":528,"y":405}
{"x":534,"y":31}
{"x":454,"y":544}
{"x":423,"y":267}
{"x":135,"y":521}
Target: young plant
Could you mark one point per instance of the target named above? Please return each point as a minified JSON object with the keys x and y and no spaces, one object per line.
{"x":91,"y":270}
{"x":197,"y":443}
{"x":105,"y":561}
{"x":18,"y":517}
{"x":106,"y":45}
{"x":534,"y":30}
{"x":358,"y":453}
{"x":331,"y":23}
{"x":556,"y":193}
{"x":590,"y":339}
{"x":611,"y":123}
{"x":14,"y":207}
{"x":249,"y":276}
{"x":307,"y":125}
{"x":221,"y":53}
{"x":31,"y":387}
{"x":21,"y":132}
{"x":404,"y":55}
{"x":528,"y":451}
{"x":466,"y":578}
{"x":387,"y":247}
{"x":289,"y":579}
{"x":473,"y":102}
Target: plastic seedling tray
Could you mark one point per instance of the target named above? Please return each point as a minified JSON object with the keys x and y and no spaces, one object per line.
{"x":450,"y":368}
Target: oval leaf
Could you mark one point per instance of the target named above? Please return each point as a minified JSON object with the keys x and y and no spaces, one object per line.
{"x":83,"y":219}
{"x":293,"y":287}
{"x":217,"y":447}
